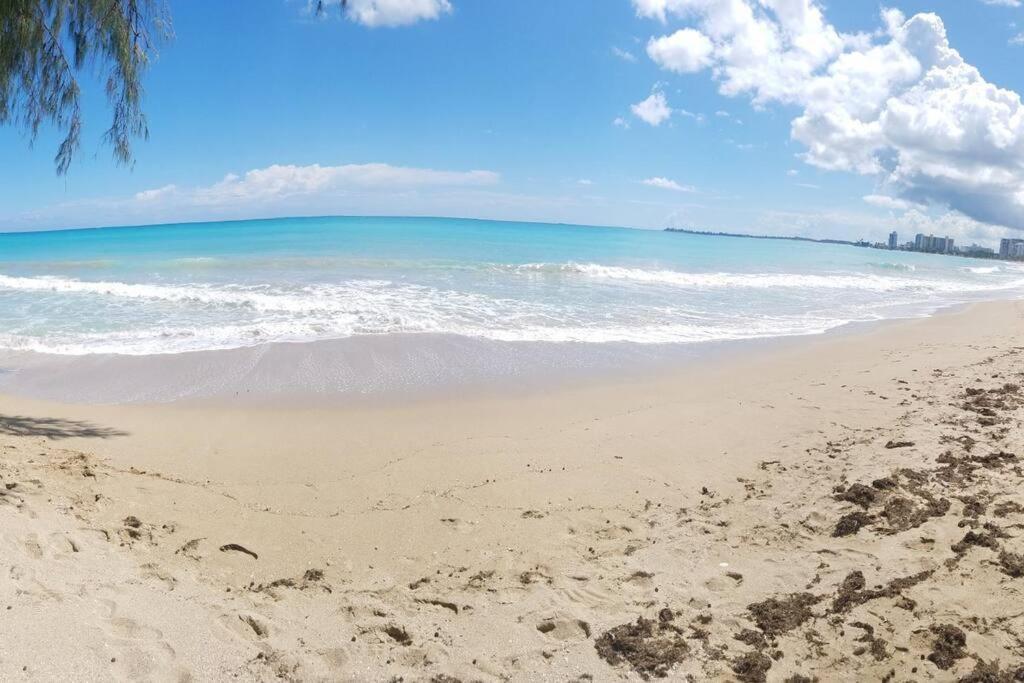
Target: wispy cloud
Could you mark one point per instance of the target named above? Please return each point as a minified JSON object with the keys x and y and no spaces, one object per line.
{"x":668,"y":184}
{"x":624,"y":55}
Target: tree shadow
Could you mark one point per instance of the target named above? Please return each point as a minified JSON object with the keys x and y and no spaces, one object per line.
{"x":55,"y":428}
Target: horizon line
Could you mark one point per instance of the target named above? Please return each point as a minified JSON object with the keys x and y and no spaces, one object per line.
{"x":30,"y":231}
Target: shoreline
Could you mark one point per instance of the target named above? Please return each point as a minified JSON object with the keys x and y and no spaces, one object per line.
{"x":522,"y":537}
{"x":383,"y":370}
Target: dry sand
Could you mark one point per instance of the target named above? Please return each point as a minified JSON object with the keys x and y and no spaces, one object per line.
{"x":848,"y":507}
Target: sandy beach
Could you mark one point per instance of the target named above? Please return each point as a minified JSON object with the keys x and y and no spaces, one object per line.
{"x":844,"y":507}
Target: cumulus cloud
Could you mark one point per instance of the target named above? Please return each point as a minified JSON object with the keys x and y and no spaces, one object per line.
{"x":654,"y":110}
{"x":685,"y":51}
{"x":667,"y":184}
{"x":374,"y":13}
{"x":901,"y":104}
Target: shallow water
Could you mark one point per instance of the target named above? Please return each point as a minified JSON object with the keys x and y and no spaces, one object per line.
{"x":175,"y":288}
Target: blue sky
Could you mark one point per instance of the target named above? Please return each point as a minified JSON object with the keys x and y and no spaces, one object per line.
{"x":535,"y":110}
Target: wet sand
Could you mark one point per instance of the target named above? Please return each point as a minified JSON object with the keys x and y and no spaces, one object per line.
{"x":848,"y":507}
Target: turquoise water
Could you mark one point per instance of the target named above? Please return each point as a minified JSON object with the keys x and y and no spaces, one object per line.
{"x":177,"y":288}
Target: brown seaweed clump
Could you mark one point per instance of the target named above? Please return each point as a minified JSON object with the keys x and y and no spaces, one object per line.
{"x":948,"y":646}
{"x":852,"y":591}
{"x":752,"y":667}
{"x":1011,"y":564}
{"x":651,"y":647}
{"x":990,"y":672}
{"x":776,"y":616}
{"x":850,"y":524}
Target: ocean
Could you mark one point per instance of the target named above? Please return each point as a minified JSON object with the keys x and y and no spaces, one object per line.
{"x":196,"y":287}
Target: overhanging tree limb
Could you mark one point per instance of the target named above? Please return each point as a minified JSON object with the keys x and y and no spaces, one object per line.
{"x":38,"y":80}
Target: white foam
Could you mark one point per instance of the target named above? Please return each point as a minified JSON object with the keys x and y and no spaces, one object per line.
{"x":647,"y":306}
{"x":837,"y":281}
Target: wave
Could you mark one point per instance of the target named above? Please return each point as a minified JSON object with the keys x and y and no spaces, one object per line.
{"x":868,"y":282}
{"x":617,"y":305}
{"x":158,"y":341}
{"x":888,"y":265}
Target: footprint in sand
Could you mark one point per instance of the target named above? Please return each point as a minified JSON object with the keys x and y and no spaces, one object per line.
{"x":564,"y":627}
{"x":141,"y":650}
{"x":32,"y":547}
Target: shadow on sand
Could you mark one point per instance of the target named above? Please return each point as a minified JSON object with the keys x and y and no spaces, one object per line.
{"x":54,"y":428}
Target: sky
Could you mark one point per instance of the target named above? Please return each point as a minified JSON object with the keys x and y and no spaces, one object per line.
{"x":842,"y":119}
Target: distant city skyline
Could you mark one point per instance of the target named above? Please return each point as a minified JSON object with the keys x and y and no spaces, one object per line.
{"x":763,"y":117}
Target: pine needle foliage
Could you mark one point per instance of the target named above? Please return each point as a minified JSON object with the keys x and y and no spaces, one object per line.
{"x":46,"y":45}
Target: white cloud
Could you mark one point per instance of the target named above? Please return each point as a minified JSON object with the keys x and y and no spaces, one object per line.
{"x":620,"y":122}
{"x":685,"y":51}
{"x":1017,"y":39}
{"x":283,"y":185}
{"x":375,"y":13}
{"x":1003,"y":3}
{"x":809,"y":186}
{"x":585,"y":181}
{"x":792,"y":172}
{"x":900,"y":105}
{"x":155,"y":194}
{"x":654,"y":110}
{"x":624,"y":55}
{"x":667,"y":184}
{"x":883,"y":201}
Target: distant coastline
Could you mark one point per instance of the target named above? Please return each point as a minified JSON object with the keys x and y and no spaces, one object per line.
{"x":794,"y":238}
{"x":974,"y":253}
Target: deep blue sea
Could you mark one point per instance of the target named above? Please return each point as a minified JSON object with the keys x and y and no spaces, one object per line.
{"x":176,"y":288}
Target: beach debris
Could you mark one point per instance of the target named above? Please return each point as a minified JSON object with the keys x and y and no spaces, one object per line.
{"x":852,"y":592}
{"x":398,"y":634}
{"x":850,"y":524}
{"x":989,"y":538}
{"x":874,"y":645}
{"x":948,"y":646}
{"x":858,"y":494}
{"x":238,"y":549}
{"x":652,"y":648}
{"x":442,"y":603}
{"x":898,"y":444}
{"x":902,"y":514}
{"x":990,"y":672}
{"x":776,"y":616}
{"x":1011,"y":564}
{"x":1007,"y":508}
{"x":752,"y":666}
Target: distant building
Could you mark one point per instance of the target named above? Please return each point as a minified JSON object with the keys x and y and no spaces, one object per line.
{"x":933,"y":244}
{"x":893,"y":239}
{"x":978,"y":251}
{"x":1008,"y":246}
